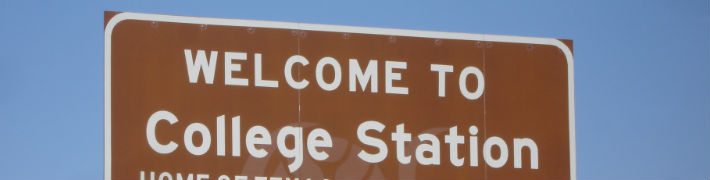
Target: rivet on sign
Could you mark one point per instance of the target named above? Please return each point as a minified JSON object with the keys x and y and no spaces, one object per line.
{"x":294,"y":32}
{"x":203,"y":27}
{"x":438,"y":42}
{"x":302,"y":34}
{"x":154,"y":24}
{"x":479,"y":44}
{"x":346,"y":36}
{"x":250,"y":30}
{"x":489,"y":44}
{"x":392,"y":39}
{"x":529,"y":47}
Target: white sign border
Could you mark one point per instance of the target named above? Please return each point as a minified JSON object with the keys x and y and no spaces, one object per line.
{"x":108,"y":30}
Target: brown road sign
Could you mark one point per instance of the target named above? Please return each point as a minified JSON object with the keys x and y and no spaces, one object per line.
{"x":208,"y":98}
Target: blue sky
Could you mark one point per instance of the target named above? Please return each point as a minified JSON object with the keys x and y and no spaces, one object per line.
{"x":642,"y":73}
